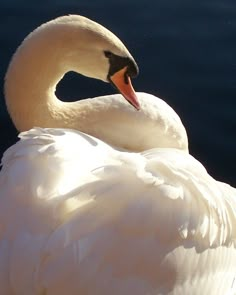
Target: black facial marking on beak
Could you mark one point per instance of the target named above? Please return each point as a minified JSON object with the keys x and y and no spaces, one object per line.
{"x":119,"y":62}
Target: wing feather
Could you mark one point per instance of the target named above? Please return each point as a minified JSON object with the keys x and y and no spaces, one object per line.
{"x":82,"y":218}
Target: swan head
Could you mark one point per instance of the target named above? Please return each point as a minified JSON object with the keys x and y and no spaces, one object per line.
{"x":92,"y":50}
{"x":75,"y":43}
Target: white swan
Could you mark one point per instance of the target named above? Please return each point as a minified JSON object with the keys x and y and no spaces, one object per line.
{"x":78,"y":216}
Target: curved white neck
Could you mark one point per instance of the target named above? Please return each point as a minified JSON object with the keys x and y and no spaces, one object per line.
{"x":30,"y":86}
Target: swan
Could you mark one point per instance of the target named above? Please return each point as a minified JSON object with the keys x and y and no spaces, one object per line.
{"x":102,"y":196}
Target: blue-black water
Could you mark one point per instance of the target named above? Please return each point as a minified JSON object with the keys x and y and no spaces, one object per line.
{"x":186,"y":51}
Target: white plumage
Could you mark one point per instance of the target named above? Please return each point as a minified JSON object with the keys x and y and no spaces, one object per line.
{"x":79,"y":216}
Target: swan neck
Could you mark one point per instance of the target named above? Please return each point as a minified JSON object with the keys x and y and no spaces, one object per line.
{"x":30,"y":86}
{"x":41,"y":62}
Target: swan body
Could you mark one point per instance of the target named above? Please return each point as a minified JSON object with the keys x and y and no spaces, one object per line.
{"x":117,"y":206}
{"x":74,"y":222}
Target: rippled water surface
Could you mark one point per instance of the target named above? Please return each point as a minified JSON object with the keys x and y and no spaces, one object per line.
{"x":186,"y":53}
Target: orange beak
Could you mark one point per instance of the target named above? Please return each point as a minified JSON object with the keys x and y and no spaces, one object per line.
{"x":123,"y":83}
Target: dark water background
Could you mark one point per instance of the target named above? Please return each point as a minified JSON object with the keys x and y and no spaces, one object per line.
{"x":186,"y":51}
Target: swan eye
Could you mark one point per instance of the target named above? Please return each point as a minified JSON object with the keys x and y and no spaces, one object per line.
{"x":107,"y":54}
